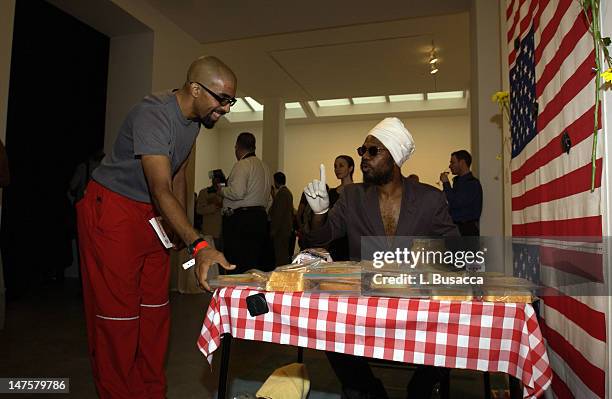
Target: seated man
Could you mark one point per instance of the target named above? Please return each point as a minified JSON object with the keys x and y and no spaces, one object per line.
{"x":385,"y":204}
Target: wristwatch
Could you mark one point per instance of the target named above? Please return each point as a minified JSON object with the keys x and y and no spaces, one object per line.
{"x":191,"y":247}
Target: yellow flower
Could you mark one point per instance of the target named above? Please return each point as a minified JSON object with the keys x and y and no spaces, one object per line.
{"x":501,"y":97}
{"x":607,"y":75}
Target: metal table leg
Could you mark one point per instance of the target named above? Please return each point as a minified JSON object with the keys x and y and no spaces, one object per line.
{"x":516,"y":387}
{"x":487,"y":385}
{"x":226,"y":342}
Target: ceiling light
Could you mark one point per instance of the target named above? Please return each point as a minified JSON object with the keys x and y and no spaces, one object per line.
{"x":433,"y":59}
{"x":445,"y":95}
{"x":295,"y":113}
{"x":334,"y":102}
{"x":406,"y":97}
{"x":240,"y":106}
{"x":294,"y":105}
{"x":254,"y":104}
{"x":369,"y":100}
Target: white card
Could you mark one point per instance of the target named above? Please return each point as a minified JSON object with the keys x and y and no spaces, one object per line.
{"x":161,"y":233}
{"x":188,"y":264}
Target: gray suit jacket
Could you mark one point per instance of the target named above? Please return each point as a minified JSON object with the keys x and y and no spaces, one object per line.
{"x":424,"y":212}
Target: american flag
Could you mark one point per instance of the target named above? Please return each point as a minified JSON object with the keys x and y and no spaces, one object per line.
{"x":526,"y":261}
{"x":552,"y":92}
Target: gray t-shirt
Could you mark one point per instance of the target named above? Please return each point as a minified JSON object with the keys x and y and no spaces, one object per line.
{"x":155,"y":126}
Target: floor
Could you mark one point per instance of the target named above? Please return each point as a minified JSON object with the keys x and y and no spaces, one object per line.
{"x":45,"y":336}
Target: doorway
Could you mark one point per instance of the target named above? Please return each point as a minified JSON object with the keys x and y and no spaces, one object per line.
{"x":56,"y":115}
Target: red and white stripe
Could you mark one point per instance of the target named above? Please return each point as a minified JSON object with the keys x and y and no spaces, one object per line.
{"x":573,"y":318}
{"x":551,"y":190}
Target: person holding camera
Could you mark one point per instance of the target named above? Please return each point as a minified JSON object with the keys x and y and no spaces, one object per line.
{"x":209,"y":205}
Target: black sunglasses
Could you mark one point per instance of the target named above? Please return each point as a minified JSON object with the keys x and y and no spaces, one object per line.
{"x":373,"y":151}
{"x":221,"y":100}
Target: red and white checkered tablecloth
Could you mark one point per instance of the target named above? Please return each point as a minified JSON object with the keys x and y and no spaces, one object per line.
{"x":486,"y":336}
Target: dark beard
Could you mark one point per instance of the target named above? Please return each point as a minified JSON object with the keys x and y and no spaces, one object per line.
{"x":379,"y":177}
{"x":208,"y":122}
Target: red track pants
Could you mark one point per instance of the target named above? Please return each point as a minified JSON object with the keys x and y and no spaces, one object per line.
{"x":125,"y":271}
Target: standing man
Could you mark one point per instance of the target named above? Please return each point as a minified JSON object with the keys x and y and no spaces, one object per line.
{"x":125,"y":267}
{"x":245,"y":231}
{"x":385,"y":204}
{"x":465,"y":196}
{"x":281,"y":220}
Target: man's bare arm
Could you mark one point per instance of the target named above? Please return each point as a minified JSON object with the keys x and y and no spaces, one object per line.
{"x":179,"y":184}
{"x":157,"y":170}
{"x":179,"y":189}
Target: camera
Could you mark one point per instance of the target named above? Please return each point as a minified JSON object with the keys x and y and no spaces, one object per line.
{"x":216,"y":174}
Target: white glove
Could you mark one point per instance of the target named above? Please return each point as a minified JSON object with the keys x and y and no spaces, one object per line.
{"x":316,"y":194}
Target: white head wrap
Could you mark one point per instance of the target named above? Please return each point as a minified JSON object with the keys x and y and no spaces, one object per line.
{"x":398,"y":140}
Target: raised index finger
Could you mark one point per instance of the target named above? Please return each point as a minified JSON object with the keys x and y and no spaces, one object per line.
{"x":322,"y":177}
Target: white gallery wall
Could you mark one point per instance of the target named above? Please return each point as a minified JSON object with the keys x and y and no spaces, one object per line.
{"x":306,"y":144}
{"x":309,"y":144}
{"x":160,"y":63}
{"x":206,"y":157}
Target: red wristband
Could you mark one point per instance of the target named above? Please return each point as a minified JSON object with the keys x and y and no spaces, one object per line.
{"x":201,"y":245}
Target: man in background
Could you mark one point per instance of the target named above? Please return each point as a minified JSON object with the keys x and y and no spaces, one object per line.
{"x":465,"y":195}
{"x":246,"y":198}
{"x":281,"y":220}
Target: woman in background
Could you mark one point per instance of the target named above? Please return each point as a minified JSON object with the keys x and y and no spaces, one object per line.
{"x":344,"y":166}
